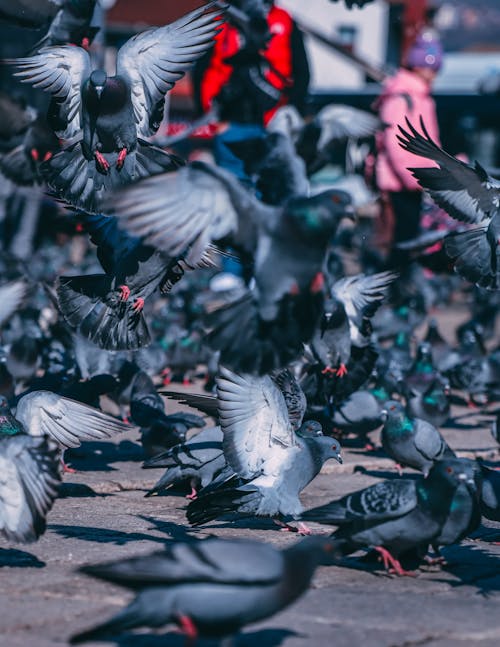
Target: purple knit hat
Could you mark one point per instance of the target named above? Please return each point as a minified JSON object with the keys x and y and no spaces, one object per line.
{"x":426,"y":51}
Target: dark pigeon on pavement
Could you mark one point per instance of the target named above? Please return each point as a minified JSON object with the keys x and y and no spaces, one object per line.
{"x":210,"y":588}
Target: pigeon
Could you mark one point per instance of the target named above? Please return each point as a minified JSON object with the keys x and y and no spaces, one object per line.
{"x":107,"y":308}
{"x":29,"y":479}
{"x":264,"y":328}
{"x":199,"y":459}
{"x":211,"y":587}
{"x":260,"y":445}
{"x":396,"y":516}
{"x":468,"y":194}
{"x":360,"y":413}
{"x":202,"y":458}
{"x":422,"y":372}
{"x":105,"y":119}
{"x":159,"y":431}
{"x":490,"y":493}
{"x":495,"y":428}
{"x":69,"y":19}
{"x":411,"y":441}
{"x":440,"y":348}
{"x":433,"y":405}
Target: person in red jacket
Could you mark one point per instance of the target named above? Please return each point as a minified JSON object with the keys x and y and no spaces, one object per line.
{"x":253,"y":69}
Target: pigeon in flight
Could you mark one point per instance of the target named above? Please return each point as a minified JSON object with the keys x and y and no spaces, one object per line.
{"x":273,"y":461}
{"x":29,"y":479}
{"x":105,"y":119}
{"x":211,"y":587}
{"x":468,"y":194}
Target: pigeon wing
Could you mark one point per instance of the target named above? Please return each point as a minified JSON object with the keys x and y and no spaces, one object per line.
{"x":295,"y":399}
{"x":362,"y":295}
{"x":154,"y":60}
{"x":62,"y":72}
{"x":340,"y":122}
{"x":253,"y":416}
{"x":11,"y":297}
{"x":65,"y":421}
{"x":466,"y":192}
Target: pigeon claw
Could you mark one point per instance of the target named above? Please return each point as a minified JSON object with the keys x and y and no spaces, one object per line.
{"x":341,"y":371}
{"x":318,"y":283}
{"x":102,"y":162}
{"x":138,"y":304}
{"x":193,"y":495}
{"x":328,"y":370}
{"x":121,"y":158}
{"x":34,"y":155}
{"x":303,"y":529}
{"x":124,"y":292}
{"x":188,"y":628}
{"x":391,"y":564}
{"x":48,"y":155}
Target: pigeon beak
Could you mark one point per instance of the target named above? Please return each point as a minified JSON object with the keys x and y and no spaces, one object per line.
{"x":463,"y":477}
{"x":339,"y":459}
{"x":98,"y":89}
{"x":350,"y":212}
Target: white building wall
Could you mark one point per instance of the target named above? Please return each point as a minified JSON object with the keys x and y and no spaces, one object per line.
{"x":329,"y":69}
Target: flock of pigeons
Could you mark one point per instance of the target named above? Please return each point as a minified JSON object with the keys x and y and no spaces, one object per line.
{"x":300,"y":356}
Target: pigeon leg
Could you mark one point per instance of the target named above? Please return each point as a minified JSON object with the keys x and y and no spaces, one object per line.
{"x":328,"y":370}
{"x":189,"y":629}
{"x":285,"y":527}
{"x":318,"y":283}
{"x":304,"y":529}
{"x":341,"y":371}
{"x":138,"y":304}
{"x":166,"y":375}
{"x":121,"y":158}
{"x":85,"y":43}
{"x":34,"y":154}
{"x":66,"y":468}
{"x":48,"y":155}
{"x":102,"y":162}
{"x":193,"y":495}
{"x":399,"y":469}
{"x":391,"y":564}
{"x":124,"y":292}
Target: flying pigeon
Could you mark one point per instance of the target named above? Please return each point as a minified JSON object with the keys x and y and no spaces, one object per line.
{"x":395,"y":516}
{"x":105,"y":119}
{"x":469,"y":195}
{"x":273,"y":462}
{"x":411,"y":441}
{"x":209,"y":588}
{"x":29,"y":479}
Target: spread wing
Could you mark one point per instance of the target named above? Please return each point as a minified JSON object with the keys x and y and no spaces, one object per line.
{"x":154,"y":60}
{"x":62,"y":72}
{"x":341,"y":122}
{"x":254,"y":419}
{"x":29,"y":479}
{"x":295,"y":399}
{"x":362,"y":295}
{"x":466,"y":192}
{"x":174,"y":212}
{"x":65,"y":421}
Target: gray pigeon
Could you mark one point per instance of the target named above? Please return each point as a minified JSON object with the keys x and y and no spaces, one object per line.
{"x":495,"y":428}
{"x":11,"y":297}
{"x":29,"y":479}
{"x":273,"y":462}
{"x":433,"y":405}
{"x":209,"y":588}
{"x":410,"y":441}
{"x":490,"y":493}
{"x":395,"y":517}
{"x":105,"y":120}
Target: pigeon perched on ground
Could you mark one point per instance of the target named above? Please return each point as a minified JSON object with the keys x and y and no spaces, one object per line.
{"x":212,"y":587}
{"x":273,"y":462}
{"x":359,"y":414}
{"x":395,"y":516}
{"x":433,"y":405}
{"x":469,"y":195}
{"x":411,"y":441}
{"x":490,"y":493}
{"x":29,"y":480}
{"x":422,"y":372}
{"x":105,"y":119}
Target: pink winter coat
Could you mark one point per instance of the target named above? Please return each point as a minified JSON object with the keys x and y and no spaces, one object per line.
{"x":404,"y":95}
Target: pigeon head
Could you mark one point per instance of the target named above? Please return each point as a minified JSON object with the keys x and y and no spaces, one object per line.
{"x":394,"y":412}
{"x":328,"y":448}
{"x":4,"y":405}
{"x":322,"y":550}
{"x":98,"y":80}
{"x":455,"y":471}
{"x":310,"y":429}
{"x":317,"y":218}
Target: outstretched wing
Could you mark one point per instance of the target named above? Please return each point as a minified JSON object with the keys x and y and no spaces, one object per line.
{"x":340,"y":122}
{"x":254,"y":419}
{"x":60,"y":71}
{"x":154,"y":60}
{"x":362,"y":295}
{"x":65,"y":421}
{"x":466,"y":192}
{"x":295,"y":399}
{"x":175,"y":212}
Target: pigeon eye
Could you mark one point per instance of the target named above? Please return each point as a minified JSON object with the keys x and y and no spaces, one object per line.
{"x":336,"y":199}
{"x":449,"y":470}
{"x":393,"y":408}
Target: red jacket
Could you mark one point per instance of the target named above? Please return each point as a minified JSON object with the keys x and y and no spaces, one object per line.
{"x":278,"y":54}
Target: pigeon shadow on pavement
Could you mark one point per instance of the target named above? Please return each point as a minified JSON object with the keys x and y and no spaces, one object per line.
{"x":80,"y":490}
{"x":97,"y":456}
{"x":102,"y":535}
{"x":263,"y":638}
{"x":386,"y":474}
{"x":473,"y":565}
{"x":173,"y":530}
{"x":14,"y":558}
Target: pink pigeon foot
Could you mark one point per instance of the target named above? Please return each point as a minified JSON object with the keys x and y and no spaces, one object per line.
{"x":138,"y":305}
{"x":102,"y":162}
{"x":121,"y":158}
{"x":193,"y":495}
{"x":341,"y":371}
{"x":391,"y":564}
{"x":124,"y":292}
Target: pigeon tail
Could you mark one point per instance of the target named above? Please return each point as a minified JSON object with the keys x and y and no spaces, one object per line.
{"x":130,"y":618}
{"x":109,"y":323}
{"x":75,"y":177}
{"x":223,"y":501}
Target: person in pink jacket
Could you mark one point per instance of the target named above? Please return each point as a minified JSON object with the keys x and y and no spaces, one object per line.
{"x":407,"y":94}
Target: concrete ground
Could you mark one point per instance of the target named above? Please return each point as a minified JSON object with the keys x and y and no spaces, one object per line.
{"x":102,"y":515}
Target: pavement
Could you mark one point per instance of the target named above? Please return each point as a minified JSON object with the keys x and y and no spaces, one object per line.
{"x":102,"y":515}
